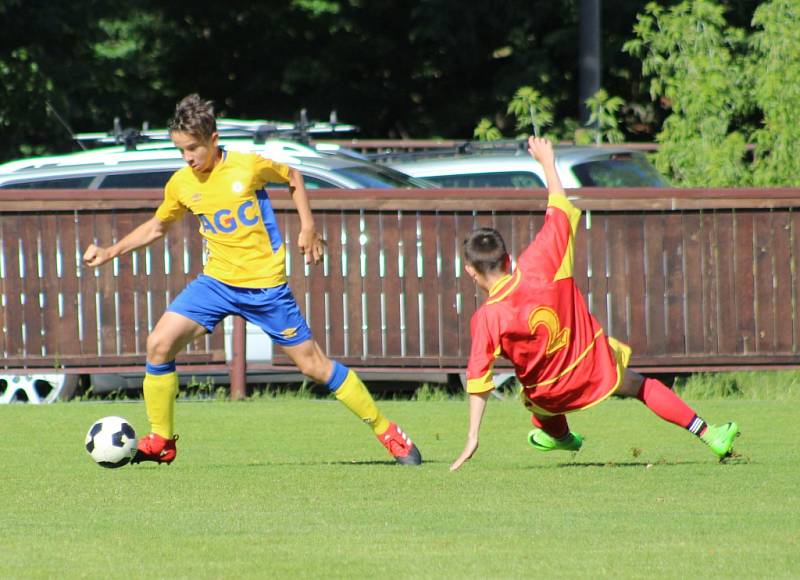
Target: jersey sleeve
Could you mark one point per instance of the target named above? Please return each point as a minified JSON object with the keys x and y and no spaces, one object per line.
{"x":484,"y":352}
{"x":268,"y":170}
{"x":551,"y":252}
{"x":171,"y":209}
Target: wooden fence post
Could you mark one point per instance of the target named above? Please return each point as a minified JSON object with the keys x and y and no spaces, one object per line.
{"x":239,"y":360}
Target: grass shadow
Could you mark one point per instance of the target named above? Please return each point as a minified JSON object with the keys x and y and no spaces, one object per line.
{"x":735,"y":459}
{"x":639,"y":464}
{"x":357,"y":463}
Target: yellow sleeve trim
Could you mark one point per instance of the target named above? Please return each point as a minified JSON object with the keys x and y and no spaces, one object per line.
{"x":283,"y":170}
{"x":560,"y":201}
{"x":481,"y":385}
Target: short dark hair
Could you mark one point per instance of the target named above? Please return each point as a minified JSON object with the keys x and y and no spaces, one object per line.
{"x":485,"y":250}
{"x":194,"y":116}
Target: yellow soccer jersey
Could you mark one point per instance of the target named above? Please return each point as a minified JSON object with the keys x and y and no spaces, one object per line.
{"x":244,"y":243}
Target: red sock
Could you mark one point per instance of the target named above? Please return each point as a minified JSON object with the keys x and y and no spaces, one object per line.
{"x":660,"y":399}
{"x":555,"y":426}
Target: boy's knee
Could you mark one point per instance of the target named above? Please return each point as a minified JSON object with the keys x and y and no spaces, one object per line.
{"x":159,"y":348}
{"x":315,"y":366}
{"x":630,"y":385}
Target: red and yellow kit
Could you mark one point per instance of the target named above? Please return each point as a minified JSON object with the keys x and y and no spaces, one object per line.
{"x":537,"y":318}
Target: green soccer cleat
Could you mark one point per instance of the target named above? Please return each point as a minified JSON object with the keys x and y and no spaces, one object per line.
{"x":544,"y":442}
{"x":720,"y":438}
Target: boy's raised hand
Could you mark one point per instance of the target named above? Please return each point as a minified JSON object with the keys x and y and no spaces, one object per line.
{"x":541,"y":150}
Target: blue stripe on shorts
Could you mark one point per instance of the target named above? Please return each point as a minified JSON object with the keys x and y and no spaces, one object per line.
{"x":207,"y":301}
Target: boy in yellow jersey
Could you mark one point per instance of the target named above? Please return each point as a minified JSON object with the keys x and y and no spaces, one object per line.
{"x":244,"y":275}
{"x":537,"y":318}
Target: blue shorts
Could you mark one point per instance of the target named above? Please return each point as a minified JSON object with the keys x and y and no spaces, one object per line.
{"x":207,"y":301}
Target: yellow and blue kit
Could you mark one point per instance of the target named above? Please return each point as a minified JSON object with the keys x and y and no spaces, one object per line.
{"x":245,"y":272}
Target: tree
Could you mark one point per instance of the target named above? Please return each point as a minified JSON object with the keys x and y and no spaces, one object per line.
{"x":774,"y":67}
{"x":532,"y":111}
{"x":694,"y":61}
{"x":59,"y":67}
{"x":604,"y":110}
{"x":486,"y":131}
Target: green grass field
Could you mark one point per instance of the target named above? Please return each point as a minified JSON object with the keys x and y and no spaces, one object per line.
{"x":299,"y":488}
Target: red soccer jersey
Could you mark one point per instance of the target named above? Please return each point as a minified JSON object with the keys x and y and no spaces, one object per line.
{"x":537,"y":318}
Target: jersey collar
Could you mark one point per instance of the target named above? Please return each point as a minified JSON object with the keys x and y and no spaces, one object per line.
{"x":504,"y":286}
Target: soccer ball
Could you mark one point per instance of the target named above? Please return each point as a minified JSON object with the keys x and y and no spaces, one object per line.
{"x":111,"y":442}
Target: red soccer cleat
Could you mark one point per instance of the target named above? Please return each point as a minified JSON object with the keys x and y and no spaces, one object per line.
{"x":156,"y":448}
{"x":400,"y":446}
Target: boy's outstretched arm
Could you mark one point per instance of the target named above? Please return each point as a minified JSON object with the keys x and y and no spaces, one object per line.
{"x":143,"y":235}
{"x":541,"y":150}
{"x":477,"y":405}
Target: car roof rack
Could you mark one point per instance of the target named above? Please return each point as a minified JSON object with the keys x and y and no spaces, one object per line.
{"x":259,"y":130}
{"x":463,"y":148}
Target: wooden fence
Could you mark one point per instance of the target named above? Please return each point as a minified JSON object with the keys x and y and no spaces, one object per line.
{"x":692,"y":279}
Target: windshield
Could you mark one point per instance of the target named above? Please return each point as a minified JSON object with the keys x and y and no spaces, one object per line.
{"x":619,"y":170}
{"x":381,"y":177}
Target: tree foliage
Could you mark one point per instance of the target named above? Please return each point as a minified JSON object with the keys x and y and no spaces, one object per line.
{"x":486,"y":131}
{"x":693,"y":59}
{"x":774,"y":67}
{"x":414,"y":68}
{"x":703,"y":77}
{"x":603,"y":117}
{"x":532,"y":110}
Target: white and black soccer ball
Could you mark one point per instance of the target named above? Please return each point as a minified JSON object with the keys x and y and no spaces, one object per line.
{"x":111,"y":442}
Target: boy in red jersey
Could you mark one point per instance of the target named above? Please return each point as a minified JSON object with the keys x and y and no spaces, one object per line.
{"x":537,"y":318}
{"x":245,"y":274}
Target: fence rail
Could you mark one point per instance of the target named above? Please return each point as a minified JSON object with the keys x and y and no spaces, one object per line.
{"x":692,"y":279}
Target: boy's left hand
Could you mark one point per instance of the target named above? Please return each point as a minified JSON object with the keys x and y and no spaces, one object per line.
{"x":541,"y":149}
{"x":312,"y":245}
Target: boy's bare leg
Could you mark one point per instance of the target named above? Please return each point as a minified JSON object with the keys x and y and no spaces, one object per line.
{"x":348,"y":388}
{"x":631,"y":384}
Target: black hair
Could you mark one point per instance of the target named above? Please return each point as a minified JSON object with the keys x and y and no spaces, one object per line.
{"x":485,"y":250}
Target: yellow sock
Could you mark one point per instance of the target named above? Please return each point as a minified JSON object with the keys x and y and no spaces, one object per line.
{"x":354,"y":395}
{"x":159,"y":400}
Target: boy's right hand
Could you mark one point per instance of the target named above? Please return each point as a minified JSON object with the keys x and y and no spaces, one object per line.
{"x":95,"y":256}
{"x":541,"y":150}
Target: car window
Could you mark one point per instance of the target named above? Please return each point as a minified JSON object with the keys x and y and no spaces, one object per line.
{"x":522,"y":179}
{"x":316,"y":183}
{"x":152,"y":179}
{"x":308,"y":181}
{"x":377,"y":177}
{"x":59,"y":183}
{"x":622,"y":170}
